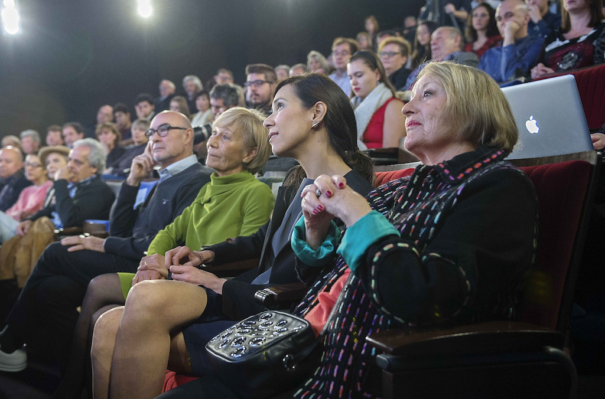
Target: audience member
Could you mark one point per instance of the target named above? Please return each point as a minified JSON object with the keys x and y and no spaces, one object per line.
{"x":380,"y":122}
{"x":224,"y":76}
{"x":519,"y":52}
{"x":167,"y":91}
{"x":72,"y":132}
{"x":11,"y":141}
{"x":192,"y":85}
{"x":121,"y":114}
{"x":12,"y":176}
{"x":204,"y":114}
{"x":482,"y":30}
{"x":342,"y":50}
{"x":578,"y":43}
{"x":372,"y":27}
{"x":260,"y":87}
{"x":30,"y":142}
{"x":144,"y":107}
{"x":30,"y":200}
{"x":180,"y":104}
{"x":446,"y":12}
{"x":445,"y":46}
{"x":317,"y":63}
{"x":298,"y":69}
{"x":223,"y":97}
{"x":302,"y":125}
{"x":410,"y":24}
{"x":121,"y":168}
{"x":422,"y":44}
{"x":394,"y":53}
{"x":282,"y":72}
{"x":104,"y":115}
{"x":109,"y":136}
{"x":381,"y":36}
{"x":54,"y":158}
{"x":365,"y":43}
{"x":54,"y":136}
{"x":76,"y":260}
{"x":542,"y":20}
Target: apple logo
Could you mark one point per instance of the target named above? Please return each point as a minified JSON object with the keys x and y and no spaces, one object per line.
{"x":531,"y":125}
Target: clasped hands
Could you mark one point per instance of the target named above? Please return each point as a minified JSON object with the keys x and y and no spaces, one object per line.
{"x":328,"y":198}
{"x":183,"y":263}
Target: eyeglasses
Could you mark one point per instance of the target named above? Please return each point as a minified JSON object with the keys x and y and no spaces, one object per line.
{"x":256,"y":83}
{"x":341,"y":53}
{"x":32,"y":164}
{"x":388,"y":53}
{"x":162,"y":130}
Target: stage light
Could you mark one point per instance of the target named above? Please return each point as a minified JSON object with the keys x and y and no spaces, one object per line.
{"x":10,"y":17}
{"x":144,"y":8}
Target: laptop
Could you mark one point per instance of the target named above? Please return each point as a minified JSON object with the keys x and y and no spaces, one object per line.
{"x":550,"y":118}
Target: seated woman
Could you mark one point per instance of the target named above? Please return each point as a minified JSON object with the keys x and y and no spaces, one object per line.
{"x":170,"y":321}
{"x":204,"y":114}
{"x":109,"y":136}
{"x":31,"y":199}
{"x":422,"y":45}
{"x":377,"y":110}
{"x":481,"y":30}
{"x":234,"y":203}
{"x":121,"y":167}
{"x":448,"y":245}
{"x":317,"y":63}
{"x":179,"y":104}
{"x":579,"y":43}
{"x":54,"y":157}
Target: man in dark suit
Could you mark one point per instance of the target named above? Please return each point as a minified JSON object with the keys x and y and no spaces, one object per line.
{"x":64,"y":269}
{"x":12,"y":176}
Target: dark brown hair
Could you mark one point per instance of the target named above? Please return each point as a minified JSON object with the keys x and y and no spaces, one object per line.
{"x":373,"y":62}
{"x":265,"y":69}
{"x":339,"y":123}
{"x":596,"y":15}
{"x":492,"y":26}
{"x":421,"y":53}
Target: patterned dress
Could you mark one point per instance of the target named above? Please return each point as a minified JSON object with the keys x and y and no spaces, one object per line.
{"x":468,"y":229}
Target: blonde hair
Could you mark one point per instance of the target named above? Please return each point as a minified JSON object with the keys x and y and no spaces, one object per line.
{"x":249,"y":124}
{"x":403,"y":44}
{"x":479,"y":112}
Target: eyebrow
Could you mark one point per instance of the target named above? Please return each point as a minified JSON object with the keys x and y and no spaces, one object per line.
{"x":279,"y":98}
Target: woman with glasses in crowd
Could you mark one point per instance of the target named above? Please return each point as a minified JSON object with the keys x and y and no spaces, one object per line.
{"x":394,"y":53}
{"x":377,"y":110}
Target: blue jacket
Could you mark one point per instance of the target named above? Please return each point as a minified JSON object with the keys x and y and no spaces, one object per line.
{"x":514,"y":60}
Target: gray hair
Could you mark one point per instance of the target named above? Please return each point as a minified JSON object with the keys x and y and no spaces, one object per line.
{"x":301,"y":66}
{"x":284,"y":67}
{"x":195,"y":80}
{"x":316,"y":55}
{"x":227,"y":92}
{"x":30,"y":133}
{"x":96,"y":158}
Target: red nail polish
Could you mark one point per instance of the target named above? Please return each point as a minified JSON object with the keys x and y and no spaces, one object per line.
{"x":315,"y":211}
{"x":320,"y":207}
{"x":328,"y":194}
{"x":341,"y":185}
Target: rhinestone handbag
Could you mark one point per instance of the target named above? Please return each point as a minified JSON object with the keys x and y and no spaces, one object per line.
{"x":265,"y":354}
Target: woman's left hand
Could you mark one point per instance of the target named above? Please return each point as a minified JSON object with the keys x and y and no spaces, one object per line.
{"x":193,"y":275}
{"x":342,"y":202}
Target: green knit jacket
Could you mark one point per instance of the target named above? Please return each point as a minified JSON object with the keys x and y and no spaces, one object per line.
{"x":227,"y":207}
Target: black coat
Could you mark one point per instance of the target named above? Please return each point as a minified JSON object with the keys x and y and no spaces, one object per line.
{"x":238,"y":293}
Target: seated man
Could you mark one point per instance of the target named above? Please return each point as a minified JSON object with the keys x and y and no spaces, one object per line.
{"x":261,"y":82}
{"x":30,"y":141}
{"x":12,"y":176}
{"x":542,"y":20}
{"x":53,"y":136}
{"x":65,"y":269}
{"x":519,"y":51}
{"x":167,"y":90}
{"x":446,"y":45}
{"x":72,"y":132}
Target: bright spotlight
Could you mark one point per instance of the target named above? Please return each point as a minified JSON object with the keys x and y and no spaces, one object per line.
{"x":10,"y":17}
{"x":144,"y":8}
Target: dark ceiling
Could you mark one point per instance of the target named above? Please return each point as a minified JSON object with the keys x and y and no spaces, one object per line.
{"x":75,"y":55}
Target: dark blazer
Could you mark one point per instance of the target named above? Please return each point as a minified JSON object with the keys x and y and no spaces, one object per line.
{"x":238,"y":293}
{"x":14,"y":185}
{"x":132,"y":230}
{"x":162,"y":105}
{"x":92,"y":201}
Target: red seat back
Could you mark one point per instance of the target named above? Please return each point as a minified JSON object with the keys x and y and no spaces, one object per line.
{"x":385,"y":177}
{"x":591,"y":86}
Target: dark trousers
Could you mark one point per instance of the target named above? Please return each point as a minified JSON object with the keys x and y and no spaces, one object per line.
{"x":55,"y":289}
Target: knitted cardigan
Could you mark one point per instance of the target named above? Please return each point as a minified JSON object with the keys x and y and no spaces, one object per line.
{"x":468,"y":230}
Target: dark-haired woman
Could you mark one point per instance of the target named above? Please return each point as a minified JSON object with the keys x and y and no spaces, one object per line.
{"x":422,"y":44}
{"x":481,"y":30}
{"x":380,"y":122}
{"x":313,"y":122}
{"x":579,"y":43}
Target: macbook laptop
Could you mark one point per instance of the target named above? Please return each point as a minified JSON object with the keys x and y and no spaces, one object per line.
{"x":550,"y":118}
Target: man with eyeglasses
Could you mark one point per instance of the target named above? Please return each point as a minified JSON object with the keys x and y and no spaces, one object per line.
{"x":58,"y":282}
{"x":342,"y":50}
{"x":393,"y":53}
{"x":260,"y":85}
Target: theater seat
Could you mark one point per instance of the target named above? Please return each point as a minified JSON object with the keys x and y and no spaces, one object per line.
{"x":591,"y":85}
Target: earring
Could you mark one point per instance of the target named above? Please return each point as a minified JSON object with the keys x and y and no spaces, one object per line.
{"x":314,"y":125}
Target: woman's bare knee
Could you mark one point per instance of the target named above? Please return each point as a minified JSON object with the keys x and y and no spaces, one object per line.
{"x":106,"y":330}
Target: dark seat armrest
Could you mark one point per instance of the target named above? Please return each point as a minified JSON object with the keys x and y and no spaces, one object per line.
{"x":232,"y":269}
{"x":489,"y":337}
{"x":281,"y":296}
{"x":69,"y":231}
